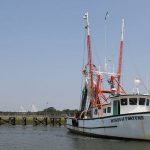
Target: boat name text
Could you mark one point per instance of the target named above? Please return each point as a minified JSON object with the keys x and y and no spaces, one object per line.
{"x":127,"y":118}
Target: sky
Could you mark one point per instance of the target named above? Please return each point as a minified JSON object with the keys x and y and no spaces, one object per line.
{"x":42,"y":48}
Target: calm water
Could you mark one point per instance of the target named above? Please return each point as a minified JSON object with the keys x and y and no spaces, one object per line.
{"x":56,"y":138}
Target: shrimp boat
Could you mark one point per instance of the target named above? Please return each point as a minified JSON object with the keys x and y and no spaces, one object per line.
{"x":109,"y":112}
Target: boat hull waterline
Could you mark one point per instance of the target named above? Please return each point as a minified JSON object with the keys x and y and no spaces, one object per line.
{"x":127,"y":126}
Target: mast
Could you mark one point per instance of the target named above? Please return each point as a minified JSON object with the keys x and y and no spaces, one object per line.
{"x":87,"y":27}
{"x":120,"y":58}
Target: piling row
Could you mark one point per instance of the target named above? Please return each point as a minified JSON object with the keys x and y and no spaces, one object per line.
{"x":53,"y":121}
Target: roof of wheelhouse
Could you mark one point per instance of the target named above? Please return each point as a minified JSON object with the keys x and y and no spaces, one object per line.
{"x":130,"y":95}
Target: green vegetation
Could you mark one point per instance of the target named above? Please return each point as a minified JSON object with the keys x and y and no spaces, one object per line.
{"x":65,"y":112}
{"x":50,"y":111}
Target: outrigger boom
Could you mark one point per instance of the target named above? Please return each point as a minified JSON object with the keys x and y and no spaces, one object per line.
{"x":96,"y":88}
{"x":120,"y":58}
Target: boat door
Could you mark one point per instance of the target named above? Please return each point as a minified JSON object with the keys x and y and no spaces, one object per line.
{"x":116,"y":107}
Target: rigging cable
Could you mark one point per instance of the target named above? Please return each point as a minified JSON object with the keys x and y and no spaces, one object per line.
{"x":83,"y":64}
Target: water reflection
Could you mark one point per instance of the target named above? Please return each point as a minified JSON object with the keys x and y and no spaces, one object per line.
{"x":58,"y":138}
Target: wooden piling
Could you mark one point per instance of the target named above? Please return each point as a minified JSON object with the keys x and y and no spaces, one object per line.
{"x":12,"y":120}
{"x":0,"y":121}
{"x":24,"y":121}
{"x":41,"y":121}
{"x":35,"y":121}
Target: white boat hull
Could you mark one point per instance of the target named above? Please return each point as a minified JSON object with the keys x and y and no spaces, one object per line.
{"x":129,"y":126}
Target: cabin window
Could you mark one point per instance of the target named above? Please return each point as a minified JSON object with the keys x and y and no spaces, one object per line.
{"x":124,"y":101}
{"x":147,"y":102}
{"x":104,"y":110}
{"x":141,"y":101}
{"x":108,"y":109}
{"x":133,"y":101}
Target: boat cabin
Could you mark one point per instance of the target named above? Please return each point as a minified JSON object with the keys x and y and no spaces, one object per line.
{"x":125,"y":104}
{"x":107,"y":110}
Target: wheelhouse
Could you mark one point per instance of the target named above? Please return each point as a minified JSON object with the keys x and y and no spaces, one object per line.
{"x":130,"y":104}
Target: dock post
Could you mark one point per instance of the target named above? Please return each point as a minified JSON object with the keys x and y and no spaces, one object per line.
{"x":59,"y":121}
{"x":12,"y":120}
{"x":52,"y":121}
{"x":35,"y":121}
{"x":45,"y":121}
{"x":24,"y":121}
{"x":65,"y":121}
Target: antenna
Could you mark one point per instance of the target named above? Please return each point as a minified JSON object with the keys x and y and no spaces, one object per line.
{"x":113,"y":69}
{"x":147,"y":85}
{"x":106,"y":28}
{"x":105,"y":66}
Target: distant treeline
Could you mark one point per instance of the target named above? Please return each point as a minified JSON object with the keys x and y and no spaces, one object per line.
{"x":51,"y":111}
